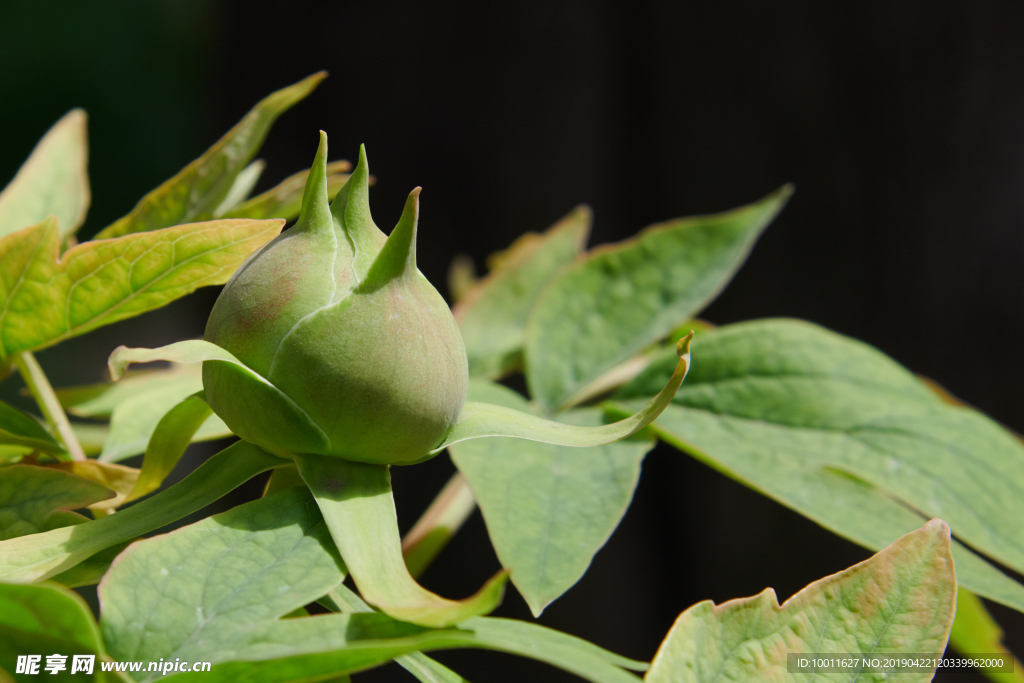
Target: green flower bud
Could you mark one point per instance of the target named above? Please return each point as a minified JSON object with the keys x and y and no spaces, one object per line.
{"x":336,"y":315}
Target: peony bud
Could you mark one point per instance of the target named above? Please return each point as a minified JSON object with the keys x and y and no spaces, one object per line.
{"x":337,"y":317}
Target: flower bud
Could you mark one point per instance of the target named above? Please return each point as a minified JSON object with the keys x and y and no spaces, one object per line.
{"x":336,"y":316}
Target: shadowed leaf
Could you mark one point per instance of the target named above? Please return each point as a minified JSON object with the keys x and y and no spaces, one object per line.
{"x":976,"y":632}
{"x":48,"y":619}
{"x":19,"y":429}
{"x":36,"y":499}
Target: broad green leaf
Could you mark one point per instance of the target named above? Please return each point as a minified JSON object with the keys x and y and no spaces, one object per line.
{"x":19,"y":429}
{"x":117,"y":478}
{"x":36,"y":499}
{"x":479,"y":420}
{"x":241,"y":188}
{"x":52,"y":181}
{"x":357,"y":504}
{"x":285,"y":199}
{"x":259,"y":562}
{"x":45,"y":299}
{"x":900,"y":601}
{"x":492,"y":315}
{"x":837,"y":431}
{"x":621,"y":298}
{"x":548,"y":509}
{"x":40,"y":556}
{"x":975,"y":632}
{"x":198,"y":189}
{"x":44,"y":620}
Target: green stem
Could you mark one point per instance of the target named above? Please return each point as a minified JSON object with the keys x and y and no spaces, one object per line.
{"x":357,"y":505}
{"x":40,"y":556}
{"x":47,"y":400}
{"x":445,"y":516}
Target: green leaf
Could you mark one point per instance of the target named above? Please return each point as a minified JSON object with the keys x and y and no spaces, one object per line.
{"x":837,"y":431}
{"x":493,"y":313}
{"x":44,"y":620}
{"x":39,"y":556}
{"x":548,"y":509}
{"x":171,"y":437}
{"x":487,"y":420}
{"x":45,"y":299}
{"x":620,"y":298}
{"x":198,"y":189}
{"x":976,"y":632}
{"x":35,"y":499}
{"x":260,"y":561}
{"x":52,"y":181}
{"x":285,"y":199}
{"x":357,"y":504}
{"x":900,"y":601}
{"x":20,"y":429}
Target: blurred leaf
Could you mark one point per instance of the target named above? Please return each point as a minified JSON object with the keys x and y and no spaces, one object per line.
{"x":975,"y":632}
{"x":47,"y":619}
{"x":53,"y":180}
{"x":20,"y":429}
{"x":900,"y":601}
{"x":99,"y":400}
{"x":90,"y":436}
{"x":493,"y":314}
{"x":261,"y":561}
{"x":42,"y":555}
{"x":240,"y":190}
{"x":135,"y":421}
{"x":548,"y":509}
{"x":620,"y":298}
{"x":198,"y":189}
{"x":35,"y":499}
{"x":285,"y":200}
{"x":45,"y":299}
{"x":461,"y":277}
{"x":118,"y":478}
{"x":837,"y":431}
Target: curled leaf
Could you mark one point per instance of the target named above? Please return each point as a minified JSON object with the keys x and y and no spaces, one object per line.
{"x":357,"y":504}
{"x":484,"y":419}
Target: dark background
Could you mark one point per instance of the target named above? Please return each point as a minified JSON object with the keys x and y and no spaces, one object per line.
{"x":900,"y":124}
